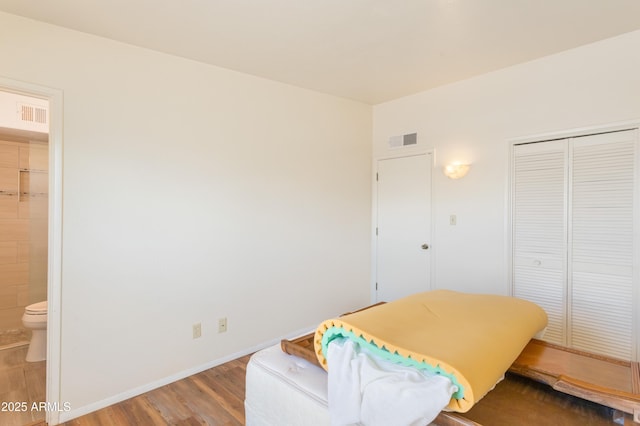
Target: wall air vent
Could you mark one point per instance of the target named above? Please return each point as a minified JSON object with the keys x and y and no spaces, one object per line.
{"x":403,"y":140}
{"x":32,"y":114}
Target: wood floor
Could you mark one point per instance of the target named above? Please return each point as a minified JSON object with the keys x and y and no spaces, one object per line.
{"x":212,"y":397}
{"x":21,"y":384}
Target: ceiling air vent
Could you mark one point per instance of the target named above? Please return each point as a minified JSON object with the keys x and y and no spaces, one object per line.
{"x":32,"y":114}
{"x":403,"y":140}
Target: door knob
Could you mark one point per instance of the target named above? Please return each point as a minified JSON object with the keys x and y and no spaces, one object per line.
{"x":425,"y":246}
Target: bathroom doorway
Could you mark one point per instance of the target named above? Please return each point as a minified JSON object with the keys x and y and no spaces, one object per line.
{"x":24,"y":205}
{"x":38,"y":187}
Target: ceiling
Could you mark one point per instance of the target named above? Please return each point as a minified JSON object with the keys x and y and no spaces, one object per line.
{"x":368,"y":50}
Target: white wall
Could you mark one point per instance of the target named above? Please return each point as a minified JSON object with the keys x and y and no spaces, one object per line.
{"x":473,"y":120}
{"x":192,"y":193}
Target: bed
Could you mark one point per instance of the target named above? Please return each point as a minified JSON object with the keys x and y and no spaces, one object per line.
{"x":287,"y":386}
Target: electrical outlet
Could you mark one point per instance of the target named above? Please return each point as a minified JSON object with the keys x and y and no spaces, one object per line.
{"x":453,"y":220}
{"x":197,"y":330}
{"x":222,"y":325}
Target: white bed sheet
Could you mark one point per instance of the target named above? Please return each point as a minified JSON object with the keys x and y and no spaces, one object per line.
{"x":284,"y":390}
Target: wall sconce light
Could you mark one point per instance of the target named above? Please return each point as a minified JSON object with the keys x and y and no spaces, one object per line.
{"x":455,"y":170}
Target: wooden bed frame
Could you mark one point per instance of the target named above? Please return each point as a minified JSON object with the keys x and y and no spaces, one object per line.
{"x":607,"y":389}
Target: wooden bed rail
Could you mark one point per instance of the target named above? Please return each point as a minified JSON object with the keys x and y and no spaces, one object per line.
{"x":618,"y":400}
{"x":604,"y":380}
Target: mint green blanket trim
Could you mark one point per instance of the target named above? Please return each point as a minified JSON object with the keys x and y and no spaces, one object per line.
{"x":382,"y":352}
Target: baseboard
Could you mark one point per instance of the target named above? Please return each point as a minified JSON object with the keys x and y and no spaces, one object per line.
{"x":90,"y":408}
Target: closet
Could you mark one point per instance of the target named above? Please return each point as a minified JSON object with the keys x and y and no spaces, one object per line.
{"x":574,"y":249}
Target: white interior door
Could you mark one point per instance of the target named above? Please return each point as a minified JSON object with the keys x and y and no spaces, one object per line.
{"x":403,"y":255}
{"x":540,"y":175}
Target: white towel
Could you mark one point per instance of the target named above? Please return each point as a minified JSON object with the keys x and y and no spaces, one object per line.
{"x":367,"y":390}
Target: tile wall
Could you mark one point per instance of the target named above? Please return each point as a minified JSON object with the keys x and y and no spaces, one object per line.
{"x":23,"y":228}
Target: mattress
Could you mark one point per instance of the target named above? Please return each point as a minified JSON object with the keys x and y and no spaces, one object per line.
{"x":282,"y":389}
{"x":472,"y":339}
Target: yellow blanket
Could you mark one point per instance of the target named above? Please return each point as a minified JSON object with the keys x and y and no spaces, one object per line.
{"x":471,"y":338}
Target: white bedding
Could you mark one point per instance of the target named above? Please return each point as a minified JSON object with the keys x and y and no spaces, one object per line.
{"x":364,"y":389}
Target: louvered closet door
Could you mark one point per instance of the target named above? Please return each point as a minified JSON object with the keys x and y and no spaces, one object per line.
{"x":574,"y":248}
{"x":601,"y":252}
{"x":540,"y":230}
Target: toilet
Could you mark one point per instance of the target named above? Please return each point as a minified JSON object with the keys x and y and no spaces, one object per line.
{"x":35,"y":319}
